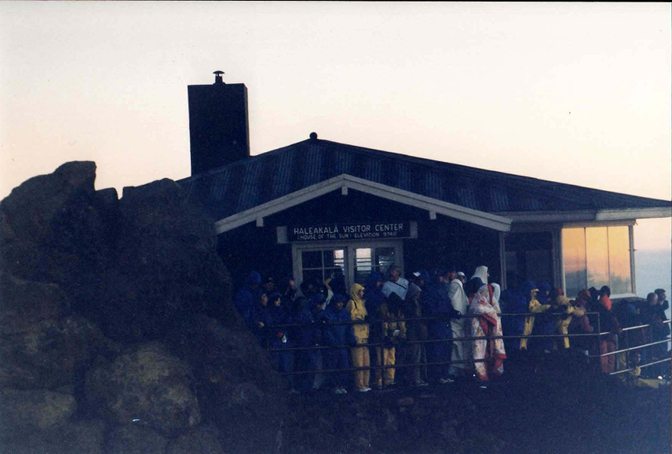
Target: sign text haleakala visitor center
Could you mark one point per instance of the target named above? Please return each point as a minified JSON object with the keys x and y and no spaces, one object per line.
{"x":349,"y":231}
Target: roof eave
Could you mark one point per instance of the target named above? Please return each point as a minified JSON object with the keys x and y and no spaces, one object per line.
{"x":624,"y":214}
{"x":347,"y":181}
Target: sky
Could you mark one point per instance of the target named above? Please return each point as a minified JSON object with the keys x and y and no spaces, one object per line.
{"x":575,"y":93}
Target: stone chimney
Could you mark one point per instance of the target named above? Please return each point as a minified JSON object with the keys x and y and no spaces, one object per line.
{"x":218,"y":124}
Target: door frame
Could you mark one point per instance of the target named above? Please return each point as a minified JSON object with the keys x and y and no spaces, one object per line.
{"x":349,"y":246}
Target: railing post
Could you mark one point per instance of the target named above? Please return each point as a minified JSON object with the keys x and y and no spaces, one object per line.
{"x":599,"y":342}
{"x":381,"y":355}
{"x":627,"y":346}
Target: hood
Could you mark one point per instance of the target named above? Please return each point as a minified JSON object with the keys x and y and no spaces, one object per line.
{"x":526,"y":287}
{"x":481,"y":273}
{"x":253,"y":278}
{"x":373,"y":278}
{"x":424,"y":275}
{"x":496,"y":290}
{"x":317,"y":299}
{"x":354,"y":289}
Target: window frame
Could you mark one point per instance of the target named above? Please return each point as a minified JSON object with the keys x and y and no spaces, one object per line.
{"x":631,"y":250}
{"x":349,"y":246}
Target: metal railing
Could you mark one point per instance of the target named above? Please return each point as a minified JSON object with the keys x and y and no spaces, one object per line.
{"x":639,"y":347}
{"x":597,"y":335}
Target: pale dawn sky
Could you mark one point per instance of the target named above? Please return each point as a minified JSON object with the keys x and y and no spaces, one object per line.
{"x":575,"y":93}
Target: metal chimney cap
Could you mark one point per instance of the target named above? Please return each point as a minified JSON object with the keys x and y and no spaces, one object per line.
{"x":219,"y":72}
{"x":218,"y":77}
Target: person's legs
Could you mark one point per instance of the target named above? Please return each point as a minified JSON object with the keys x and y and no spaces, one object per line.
{"x":458,"y":350}
{"x":358,"y":361}
{"x":379,"y":361}
{"x":366,"y":362}
{"x":480,"y":346}
{"x":389,"y":357}
{"x":414,"y":358}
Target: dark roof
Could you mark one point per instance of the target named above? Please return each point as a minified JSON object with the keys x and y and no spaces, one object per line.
{"x":245,"y":184}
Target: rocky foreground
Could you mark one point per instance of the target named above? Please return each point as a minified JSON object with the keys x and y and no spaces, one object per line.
{"x":117,"y":335}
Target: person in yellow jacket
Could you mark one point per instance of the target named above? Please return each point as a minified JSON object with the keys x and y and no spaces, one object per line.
{"x":360,"y":355}
{"x":565,"y":310}
{"x":530,"y":291}
{"x":389,"y":329}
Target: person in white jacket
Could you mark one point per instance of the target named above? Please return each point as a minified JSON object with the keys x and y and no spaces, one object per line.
{"x":461,"y":349}
{"x":396,"y":283}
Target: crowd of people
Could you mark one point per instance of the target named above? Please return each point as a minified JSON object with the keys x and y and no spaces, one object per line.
{"x":589,"y":313}
{"x":421,"y":323}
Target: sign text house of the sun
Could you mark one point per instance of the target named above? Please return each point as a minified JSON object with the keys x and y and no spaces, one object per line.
{"x":341,"y":232}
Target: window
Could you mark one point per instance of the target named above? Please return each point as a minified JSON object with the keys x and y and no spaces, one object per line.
{"x":368,"y":260}
{"x":529,"y":256}
{"x":349,"y":261}
{"x":597,"y":256}
{"x":317,"y":265}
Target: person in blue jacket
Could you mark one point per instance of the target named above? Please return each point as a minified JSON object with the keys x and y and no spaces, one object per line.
{"x":247,"y":296}
{"x":260,"y":319}
{"x":338,"y":333}
{"x":309,"y":334}
{"x":278,"y":336}
{"x":436,"y":303}
{"x":545,"y":323}
{"x":513,"y":301}
{"x":373,"y":294}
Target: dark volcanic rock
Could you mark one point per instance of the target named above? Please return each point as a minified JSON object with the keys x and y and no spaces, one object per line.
{"x":133,"y":266}
{"x":51,"y":227}
{"x":165,"y":267}
{"x":147,"y":383}
{"x":236,"y":383}
{"x":51,"y":353}
{"x":25,"y":303}
{"x":136,"y":439}
{"x":80,"y":267}
{"x":24,"y":412}
{"x":64,"y":438}
{"x":199,"y":440}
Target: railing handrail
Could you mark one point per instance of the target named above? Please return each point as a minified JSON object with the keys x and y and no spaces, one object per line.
{"x":630,"y":349}
{"x":378,"y":320}
{"x":660,"y":361}
{"x":407,"y":319}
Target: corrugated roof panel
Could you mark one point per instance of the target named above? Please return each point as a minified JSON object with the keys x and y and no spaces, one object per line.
{"x":249,"y":195}
{"x":269,"y":172}
{"x":234,"y":188}
{"x":466,"y":196}
{"x":218,"y":186}
{"x":298,"y":172}
{"x":242,"y":185}
{"x":390,"y":173}
{"x":499,"y":199}
{"x":344,"y":162}
{"x":313,"y":165}
{"x":403,"y":177}
{"x":433,"y":186}
{"x":283,"y":180}
{"x":529,"y":203}
{"x":373,"y":170}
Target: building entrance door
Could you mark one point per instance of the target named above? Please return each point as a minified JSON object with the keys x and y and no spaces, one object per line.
{"x":346,"y":263}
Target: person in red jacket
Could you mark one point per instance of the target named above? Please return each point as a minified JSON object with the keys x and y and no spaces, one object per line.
{"x":608,"y":323}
